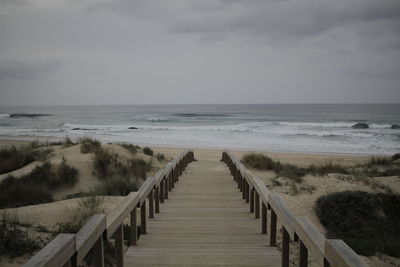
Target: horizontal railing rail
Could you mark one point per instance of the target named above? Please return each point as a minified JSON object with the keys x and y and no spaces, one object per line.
{"x":327,"y":252}
{"x":71,"y":249}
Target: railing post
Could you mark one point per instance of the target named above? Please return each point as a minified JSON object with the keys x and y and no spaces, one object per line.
{"x":119,"y":244}
{"x":157,"y":199}
{"x":247,"y":191}
{"x":151,"y":204}
{"x":98,"y":251}
{"x":166,"y":187}
{"x":161,"y":189}
{"x":257,"y":200}
{"x":173,"y":178}
{"x":263,"y":219}
{"x":143,"y":217}
{"x":285,"y":247}
{"x":133,"y":233}
{"x":243,"y":187}
{"x":170,"y":178}
{"x":303,"y":255}
{"x":238,"y":180}
{"x":272,"y":240}
{"x":251,"y":200}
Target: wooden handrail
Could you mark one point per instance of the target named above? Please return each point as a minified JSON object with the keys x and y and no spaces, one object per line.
{"x":71,"y":249}
{"x":327,"y":252}
{"x":57,"y":253}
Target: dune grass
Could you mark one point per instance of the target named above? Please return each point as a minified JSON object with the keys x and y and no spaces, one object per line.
{"x":131,"y":148}
{"x":375,"y":167}
{"x":89,"y":145}
{"x":13,"y":158}
{"x":15,"y":240}
{"x":160,"y":157}
{"x":37,"y":186}
{"x":262,"y":162}
{"x":368,"y":223}
{"x":119,"y":176}
{"x":148,"y":151}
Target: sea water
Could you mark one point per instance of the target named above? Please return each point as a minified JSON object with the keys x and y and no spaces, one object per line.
{"x":318,"y":128}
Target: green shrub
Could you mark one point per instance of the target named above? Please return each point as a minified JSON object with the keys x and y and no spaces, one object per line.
{"x":148,"y":151}
{"x":89,"y":145}
{"x":258,"y":161}
{"x":262,"y":162}
{"x":160,"y":157}
{"x":117,"y":186}
{"x":369,"y":223}
{"x":132,"y":148}
{"x":103,"y":160}
{"x":376,"y":167}
{"x":68,"y":142}
{"x":12,"y":158}
{"x":379,"y":161}
{"x":67,"y":175}
{"x":36,"y":186}
{"x":15,"y":240}
{"x":291,"y":172}
{"x":139,"y":167}
{"x":107,"y":165}
{"x":327,"y":168}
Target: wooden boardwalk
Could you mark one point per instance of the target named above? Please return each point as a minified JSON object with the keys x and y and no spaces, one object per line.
{"x":204,"y":222}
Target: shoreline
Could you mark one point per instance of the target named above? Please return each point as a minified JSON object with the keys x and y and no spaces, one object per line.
{"x":43,"y":139}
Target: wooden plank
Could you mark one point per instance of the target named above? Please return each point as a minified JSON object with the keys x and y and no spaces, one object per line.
{"x":204,"y":222}
{"x":122,"y":211}
{"x":58,"y":252}
{"x":312,"y":238}
{"x":89,"y":234}
{"x":339,"y":254}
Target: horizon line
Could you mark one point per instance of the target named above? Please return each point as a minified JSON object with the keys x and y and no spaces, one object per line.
{"x":202,"y":104}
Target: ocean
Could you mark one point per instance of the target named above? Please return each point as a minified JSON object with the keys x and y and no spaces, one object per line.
{"x":316,"y":128}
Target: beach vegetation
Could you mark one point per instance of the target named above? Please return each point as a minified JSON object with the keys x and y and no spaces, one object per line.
{"x":131,"y":148}
{"x":368,"y":223}
{"x":36,"y":187}
{"x":375,"y":167}
{"x":13,"y":158}
{"x":117,"y":186}
{"x":160,"y":157}
{"x":67,"y":142}
{"x":148,"y":151}
{"x":119,"y":175}
{"x":15,"y":240}
{"x":89,"y":145}
{"x":262,"y":162}
{"x":327,"y":168}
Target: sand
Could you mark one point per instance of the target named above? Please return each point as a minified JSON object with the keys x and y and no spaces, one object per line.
{"x":301,"y":202}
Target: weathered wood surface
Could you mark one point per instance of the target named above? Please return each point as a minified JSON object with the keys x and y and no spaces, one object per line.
{"x":339,"y":254}
{"x":204,"y":221}
{"x":50,"y":255}
{"x":89,"y":234}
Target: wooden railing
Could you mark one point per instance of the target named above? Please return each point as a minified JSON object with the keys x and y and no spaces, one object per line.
{"x":327,"y":252}
{"x":71,"y":249}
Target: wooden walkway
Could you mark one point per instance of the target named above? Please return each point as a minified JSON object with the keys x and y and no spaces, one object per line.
{"x":205,"y":222}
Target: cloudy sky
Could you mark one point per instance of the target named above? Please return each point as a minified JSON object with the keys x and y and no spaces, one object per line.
{"x":199,"y":51}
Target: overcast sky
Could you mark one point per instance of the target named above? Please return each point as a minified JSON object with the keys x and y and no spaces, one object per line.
{"x":199,"y":51}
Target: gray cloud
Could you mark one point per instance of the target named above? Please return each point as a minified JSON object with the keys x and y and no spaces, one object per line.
{"x":199,"y":51}
{"x":17,"y":70}
{"x":288,"y":18}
